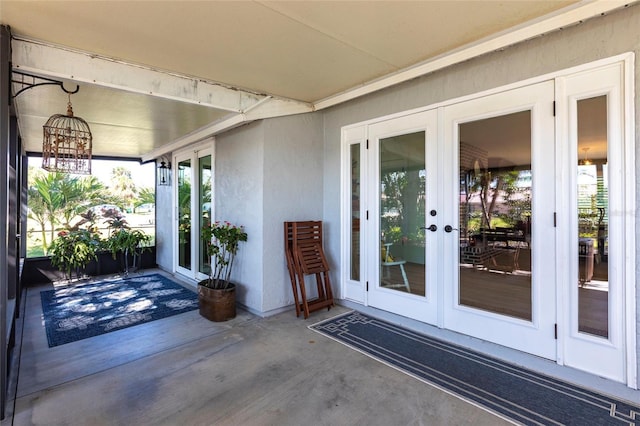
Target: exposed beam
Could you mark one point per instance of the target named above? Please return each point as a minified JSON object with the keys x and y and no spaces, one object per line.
{"x":564,"y":17}
{"x":217,"y":127}
{"x":267,"y":108}
{"x":53,"y":61}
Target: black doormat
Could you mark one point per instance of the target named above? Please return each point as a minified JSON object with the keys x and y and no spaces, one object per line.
{"x":512,"y":392}
{"x":77,"y":312}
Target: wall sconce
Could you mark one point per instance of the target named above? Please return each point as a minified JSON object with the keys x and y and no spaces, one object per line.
{"x":164,"y":173}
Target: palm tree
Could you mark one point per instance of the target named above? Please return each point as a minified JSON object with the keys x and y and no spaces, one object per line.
{"x":123,"y":184}
{"x":146,"y":195}
{"x":79,"y":193}
{"x":55,"y":199}
{"x":45,"y":202}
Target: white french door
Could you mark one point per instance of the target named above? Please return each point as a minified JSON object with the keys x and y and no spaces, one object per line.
{"x":460,"y":225}
{"x":193,"y":208}
{"x":403,"y":154}
{"x":508,"y":217}
{"x":500,"y":186}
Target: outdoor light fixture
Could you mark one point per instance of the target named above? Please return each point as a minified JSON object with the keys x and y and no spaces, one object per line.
{"x":164,"y":174}
{"x":67,"y":143}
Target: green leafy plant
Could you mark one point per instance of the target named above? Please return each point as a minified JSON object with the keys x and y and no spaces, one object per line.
{"x":73,"y":250}
{"x":122,"y":239}
{"x":221,"y":242}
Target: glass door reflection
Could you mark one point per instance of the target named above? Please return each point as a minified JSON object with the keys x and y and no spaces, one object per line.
{"x":402,"y":213}
{"x":495,"y":215}
{"x":593,"y":217}
{"x":184,"y":214}
{"x":204,"y":206}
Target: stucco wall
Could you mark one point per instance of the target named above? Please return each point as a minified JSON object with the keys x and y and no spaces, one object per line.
{"x":238,"y":198}
{"x":164,"y":239}
{"x":293,"y":166}
{"x":592,"y":40}
{"x":267,"y":173}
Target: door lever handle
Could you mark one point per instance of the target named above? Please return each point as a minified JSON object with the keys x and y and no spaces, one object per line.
{"x":449,"y":228}
{"x":432,"y":228}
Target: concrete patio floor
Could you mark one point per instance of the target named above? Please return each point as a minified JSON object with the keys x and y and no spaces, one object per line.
{"x":185,"y":370}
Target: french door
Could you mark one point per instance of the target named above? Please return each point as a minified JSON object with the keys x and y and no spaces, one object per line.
{"x":458,"y":228}
{"x":500,"y":186}
{"x":403,"y":154}
{"x":193,"y":201}
{"x":508,"y":217}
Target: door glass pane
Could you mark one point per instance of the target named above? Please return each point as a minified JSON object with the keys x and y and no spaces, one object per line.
{"x":495,"y":214}
{"x":593,"y":217}
{"x":355,"y":212}
{"x":204,"y":206}
{"x":402,"y":203}
{"x":184,"y":214}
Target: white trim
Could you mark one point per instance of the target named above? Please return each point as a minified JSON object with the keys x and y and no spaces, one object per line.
{"x":628,"y":94}
{"x":565,"y":17}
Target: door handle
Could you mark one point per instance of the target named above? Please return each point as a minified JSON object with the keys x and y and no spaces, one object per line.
{"x":432,"y":228}
{"x":449,"y":228}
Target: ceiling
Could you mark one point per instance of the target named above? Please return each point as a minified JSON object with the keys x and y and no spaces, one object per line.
{"x":154,"y":76}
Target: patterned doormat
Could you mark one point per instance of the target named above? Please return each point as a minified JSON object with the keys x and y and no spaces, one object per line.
{"x":511,"y":392}
{"x":77,"y":312}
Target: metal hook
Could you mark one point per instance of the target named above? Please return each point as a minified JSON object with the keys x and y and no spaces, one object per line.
{"x":68,"y":92}
{"x":37,"y":81}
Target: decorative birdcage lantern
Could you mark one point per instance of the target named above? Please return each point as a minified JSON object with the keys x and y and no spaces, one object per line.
{"x":67,"y":144}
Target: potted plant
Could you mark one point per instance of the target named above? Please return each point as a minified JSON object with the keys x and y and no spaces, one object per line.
{"x":73,"y":250}
{"x":124,"y":240}
{"x":128,"y":242}
{"x":217,"y":294}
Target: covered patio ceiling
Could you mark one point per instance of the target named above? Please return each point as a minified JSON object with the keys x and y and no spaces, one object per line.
{"x":156,"y":76}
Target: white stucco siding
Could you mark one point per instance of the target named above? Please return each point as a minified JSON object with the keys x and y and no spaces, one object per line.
{"x":164,"y":229}
{"x":267,"y":173}
{"x":238,"y":198}
{"x":293,"y":191}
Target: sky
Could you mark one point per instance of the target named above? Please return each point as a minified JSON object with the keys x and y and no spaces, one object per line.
{"x":143,"y":175}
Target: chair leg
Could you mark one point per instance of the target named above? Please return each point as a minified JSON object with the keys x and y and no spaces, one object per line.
{"x":404,"y":278}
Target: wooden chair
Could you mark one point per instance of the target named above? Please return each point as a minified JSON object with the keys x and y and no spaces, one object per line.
{"x":305,"y":256}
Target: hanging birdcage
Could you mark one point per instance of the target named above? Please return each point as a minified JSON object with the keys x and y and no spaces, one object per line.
{"x":66,"y":144}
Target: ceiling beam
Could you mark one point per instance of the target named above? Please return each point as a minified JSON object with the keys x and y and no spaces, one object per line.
{"x":53,"y":61}
{"x":268,"y":108}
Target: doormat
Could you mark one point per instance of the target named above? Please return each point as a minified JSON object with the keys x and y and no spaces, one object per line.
{"x":510,"y":391}
{"x":77,"y":312}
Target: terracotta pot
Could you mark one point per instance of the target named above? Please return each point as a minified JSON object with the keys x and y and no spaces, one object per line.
{"x":217,"y":304}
